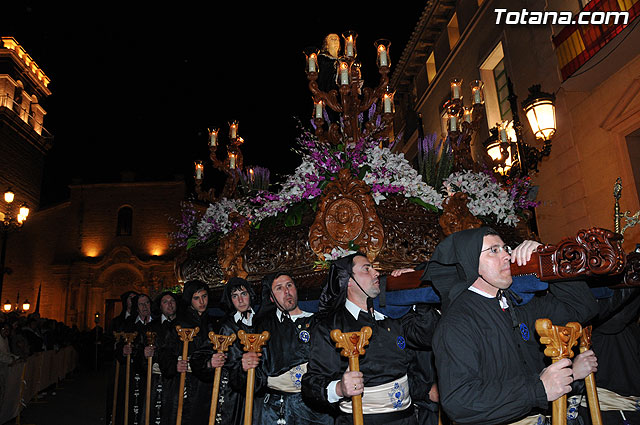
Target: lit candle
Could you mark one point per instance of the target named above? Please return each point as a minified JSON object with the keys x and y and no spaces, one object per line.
{"x":349,"y":46}
{"x":467,"y":114}
{"x":251,"y":176}
{"x":476,"y":88}
{"x":233,"y":130}
{"x":503,"y":134}
{"x":388,"y":103}
{"x":213,"y":138}
{"x":344,"y":74}
{"x":453,"y":123}
{"x":232,"y":161}
{"x":455,"y":88}
{"x":199,"y":170}
{"x":382,"y":55}
{"x":318,"y":109}
{"x":313,"y":62}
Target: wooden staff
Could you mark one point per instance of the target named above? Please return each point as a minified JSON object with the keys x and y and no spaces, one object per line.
{"x":352,"y":344}
{"x":559,"y":341}
{"x":151,"y":340}
{"x":128,"y":339}
{"x":186,"y":336}
{"x":590,"y":381}
{"x":251,"y":343}
{"x":221,"y":344}
{"x":117,"y":336}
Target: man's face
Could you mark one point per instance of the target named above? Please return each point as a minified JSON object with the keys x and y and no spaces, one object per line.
{"x":129,"y":301}
{"x":199,"y":301}
{"x":168,"y":306}
{"x":366,"y":276}
{"x":495,"y":269}
{"x":144,"y":306}
{"x":240,"y":299}
{"x":285,"y":293}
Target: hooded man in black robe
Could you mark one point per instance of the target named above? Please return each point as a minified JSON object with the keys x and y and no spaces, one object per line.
{"x":197,"y":394}
{"x":284,"y":358}
{"x":490,"y":365}
{"x":237,"y":298}
{"x":346,"y":303}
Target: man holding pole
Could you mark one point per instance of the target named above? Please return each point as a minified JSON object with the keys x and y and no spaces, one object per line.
{"x":283,"y":362}
{"x":489,"y":362}
{"x":346,"y":304}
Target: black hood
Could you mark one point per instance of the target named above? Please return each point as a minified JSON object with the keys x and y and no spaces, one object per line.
{"x":190,"y":288}
{"x":123,"y":299}
{"x":334,"y":291}
{"x":453,"y":267}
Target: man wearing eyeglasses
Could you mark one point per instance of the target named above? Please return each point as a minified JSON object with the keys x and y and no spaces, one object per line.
{"x":490,"y":365}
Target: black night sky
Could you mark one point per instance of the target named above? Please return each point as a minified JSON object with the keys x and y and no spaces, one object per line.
{"x":136,"y":85}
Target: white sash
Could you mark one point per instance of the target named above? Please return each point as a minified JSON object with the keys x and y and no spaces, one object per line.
{"x":610,"y":400}
{"x":531,"y":420}
{"x":390,"y":397}
{"x":290,"y":381}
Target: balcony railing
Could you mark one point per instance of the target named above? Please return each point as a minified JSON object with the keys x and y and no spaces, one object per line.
{"x":576,"y":43}
{"x":7,"y":102}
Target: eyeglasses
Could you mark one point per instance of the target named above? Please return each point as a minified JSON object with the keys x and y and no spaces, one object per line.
{"x":497,"y":249}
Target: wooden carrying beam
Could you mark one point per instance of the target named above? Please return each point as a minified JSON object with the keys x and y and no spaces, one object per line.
{"x":592,"y":252}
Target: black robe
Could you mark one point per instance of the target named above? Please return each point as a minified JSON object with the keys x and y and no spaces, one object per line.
{"x":230,"y":409}
{"x":197,"y":394}
{"x":387,"y":357}
{"x":489,"y":369}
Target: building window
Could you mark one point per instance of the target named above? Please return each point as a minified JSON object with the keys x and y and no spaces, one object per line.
{"x":431,"y":68}
{"x":125,"y":221}
{"x":453,"y":31}
{"x":494,"y":75}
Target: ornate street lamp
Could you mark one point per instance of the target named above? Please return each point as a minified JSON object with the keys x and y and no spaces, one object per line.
{"x":26,"y":305}
{"x":9,"y":224}
{"x":539,"y":108}
{"x":7,"y":306}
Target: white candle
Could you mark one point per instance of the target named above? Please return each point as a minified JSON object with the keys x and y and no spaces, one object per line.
{"x":233,"y":131}
{"x":349,"y":47}
{"x":251,"y":176}
{"x":453,"y":123}
{"x":344,"y":74}
{"x":477,"y":95}
{"x":456,"y":91}
{"x":312,"y":63}
{"x":232,"y":161}
{"x":213,"y":138}
{"x":503,"y":135}
{"x":318,"y":109}
{"x":383,"y":56}
{"x":199,"y":170}
{"x":388,"y":106}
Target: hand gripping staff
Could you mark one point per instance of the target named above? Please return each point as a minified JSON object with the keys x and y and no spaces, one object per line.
{"x":251,"y":343}
{"x":151,"y":341}
{"x":559,"y":341}
{"x":352,"y":344}
{"x":590,"y":381}
{"x":128,"y":339}
{"x":221,"y":344}
{"x":186,"y":336}
{"x":117,"y":336}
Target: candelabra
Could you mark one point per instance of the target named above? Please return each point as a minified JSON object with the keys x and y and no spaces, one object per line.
{"x":9,"y":224}
{"x":231,"y":165}
{"x":463,"y":121}
{"x":351,"y":99}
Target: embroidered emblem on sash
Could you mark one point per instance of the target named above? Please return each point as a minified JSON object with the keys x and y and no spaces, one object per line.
{"x":396,"y":395}
{"x":524,"y":331}
{"x":304,"y":336}
{"x":572,"y":407}
{"x":296,"y":376}
{"x":401,"y":342}
{"x":541,"y":420}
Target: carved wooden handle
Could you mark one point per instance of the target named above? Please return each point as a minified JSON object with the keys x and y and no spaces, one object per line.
{"x":221,"y":343}
{"x":186,"y":334}
{"x":128,"y":337}
{"x":559,"y":340}
{"x":253,"y":342}
{"x":352,"y":343}
{"x":151,"y":338}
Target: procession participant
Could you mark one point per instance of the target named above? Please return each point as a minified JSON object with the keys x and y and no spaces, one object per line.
{"x":284,"y":359}
{"x":489,"y":362}
{"x":346,"y":303}
{"x":117,"y":324}
{"x":166,"y":303}
{"x":198,"y":394}
{"x":237,"y":298}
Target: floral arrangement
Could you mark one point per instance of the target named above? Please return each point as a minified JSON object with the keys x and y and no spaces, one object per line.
{"x":386,"y":172}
